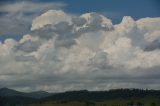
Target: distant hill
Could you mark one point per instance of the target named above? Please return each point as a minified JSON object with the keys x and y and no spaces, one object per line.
{"x":39,"y":94}
{"x":105,"y":95}
{"x":10,"y":92}
{"x":6,"y":92}
{"x":13,"y":97}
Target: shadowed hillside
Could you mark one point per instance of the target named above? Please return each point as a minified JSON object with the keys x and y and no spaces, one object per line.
{"x":117,"y":97}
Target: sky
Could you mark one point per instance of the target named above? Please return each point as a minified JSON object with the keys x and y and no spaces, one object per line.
{"x":61,"y":45}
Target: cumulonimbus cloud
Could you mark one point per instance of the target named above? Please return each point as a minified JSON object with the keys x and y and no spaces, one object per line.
{"x":67,"y":52}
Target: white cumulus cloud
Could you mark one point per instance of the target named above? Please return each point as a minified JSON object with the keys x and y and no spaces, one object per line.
{"x":68,"y":52}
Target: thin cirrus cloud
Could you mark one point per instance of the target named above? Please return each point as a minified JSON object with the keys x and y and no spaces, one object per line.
{"x":71,"y":52}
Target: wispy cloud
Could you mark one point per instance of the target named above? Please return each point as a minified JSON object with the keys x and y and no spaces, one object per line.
{"x":28,"y":6}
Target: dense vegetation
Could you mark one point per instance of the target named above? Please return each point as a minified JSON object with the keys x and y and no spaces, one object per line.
{"x":117,"y":97}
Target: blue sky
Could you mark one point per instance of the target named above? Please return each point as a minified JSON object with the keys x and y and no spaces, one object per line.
{"x":135,"y":8}
{"x":115,"y":9}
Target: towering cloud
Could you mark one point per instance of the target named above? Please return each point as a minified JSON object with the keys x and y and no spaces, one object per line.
{"x":50,"y":17}
{"x":66,"y":52}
